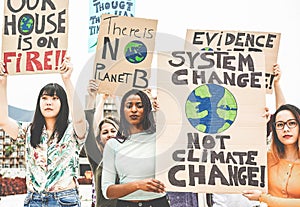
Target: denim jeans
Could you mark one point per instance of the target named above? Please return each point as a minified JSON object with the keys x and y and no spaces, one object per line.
{"x":53,"y":199}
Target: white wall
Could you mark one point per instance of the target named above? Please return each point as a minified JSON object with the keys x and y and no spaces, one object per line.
{"x":174,"y":17}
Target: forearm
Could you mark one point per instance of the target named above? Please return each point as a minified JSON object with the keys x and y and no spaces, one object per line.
{"x":91,"y":99}
{"x":8,"y":125}
{"x":98,"y":115}
{"x":76,"y":109}
{"x":121,"y":190}
{"x":279,"y":97}
{"x":279,"y":202}
{"x":3,"y":104}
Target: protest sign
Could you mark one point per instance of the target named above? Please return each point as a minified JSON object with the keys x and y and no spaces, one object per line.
{"x":124,"y":53}
{"x":221,"y":40}
{"x":99,"y":7}
{"x":211,"y":135}
{"x":35,"y":36}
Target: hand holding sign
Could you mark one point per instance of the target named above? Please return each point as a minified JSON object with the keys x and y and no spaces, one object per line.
{"x":66,"y":68}
{"x":277,"y":73}
{"x":34,"y":38}
{"x":2,"y":69}
{"x":252,"y":194}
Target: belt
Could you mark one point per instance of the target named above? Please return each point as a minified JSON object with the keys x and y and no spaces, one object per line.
{"x":55,"y":194}
{"x":141,"y":203}
{"x":138,"y":201}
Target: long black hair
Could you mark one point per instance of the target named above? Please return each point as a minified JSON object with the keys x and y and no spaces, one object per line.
{"x":276,"y":146}
{"x":148,"y":122}
{"x":62,"y":118}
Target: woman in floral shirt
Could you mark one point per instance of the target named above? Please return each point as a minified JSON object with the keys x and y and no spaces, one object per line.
{"x":52,"y":142}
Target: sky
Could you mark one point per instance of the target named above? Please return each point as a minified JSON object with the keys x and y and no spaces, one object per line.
{"x":174,"y":18}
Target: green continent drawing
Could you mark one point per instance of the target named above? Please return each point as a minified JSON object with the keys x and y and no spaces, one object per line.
{"x":26,"y":24}
{"x":211,"y":108}
{"x":135,"y":51}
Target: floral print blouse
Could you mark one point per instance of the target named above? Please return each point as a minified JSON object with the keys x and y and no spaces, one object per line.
{"x":52,"y":166}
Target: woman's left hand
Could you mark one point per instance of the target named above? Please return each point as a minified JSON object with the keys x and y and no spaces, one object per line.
{"x":276,"y":72}
{"x":267,"y":114}
{"x":252,"y":194}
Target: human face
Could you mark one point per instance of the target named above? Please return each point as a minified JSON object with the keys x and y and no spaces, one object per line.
{"x":286,"y":135}
{"x":134,"y":110}
{"x":50,"y":106}
{"x":107,"y":131}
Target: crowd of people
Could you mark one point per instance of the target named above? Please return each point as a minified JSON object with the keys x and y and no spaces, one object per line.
{"x":121,"y":150}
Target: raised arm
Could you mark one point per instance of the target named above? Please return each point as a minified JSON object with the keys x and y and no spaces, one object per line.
{"x":92,"y":94}
{"x":91,"y":148}
{"x":76,"y":109}
{"x":99,"y":113}
{"x":9,"y":125}
{"x":279,"y":97}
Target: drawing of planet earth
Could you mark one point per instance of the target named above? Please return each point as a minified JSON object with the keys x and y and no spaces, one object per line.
{"x":135,"y":51}
{"x":211,"y":108}
{"x":26,"y":24}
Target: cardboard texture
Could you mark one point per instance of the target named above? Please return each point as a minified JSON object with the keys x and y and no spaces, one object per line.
{"x":34,"y":36}
{"x":124,"y":53}
{"x":211,"y":136}
{"x":247,"y":41}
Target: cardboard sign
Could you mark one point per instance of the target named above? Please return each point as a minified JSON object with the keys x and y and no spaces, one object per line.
{"x":263,"y":42}
{"x":124,"y":53}
{"x":211,"y":135}
{"x":99,"y":7}
{"x":35,"y":36}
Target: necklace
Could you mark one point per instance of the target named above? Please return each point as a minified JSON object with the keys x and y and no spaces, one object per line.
{"x":290,"y":160}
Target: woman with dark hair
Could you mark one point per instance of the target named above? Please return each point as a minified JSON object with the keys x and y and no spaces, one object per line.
{"x":228,"y":200}
{"x":131,"y":156}
{"x":283,"y":161}
{"x":52,"y":142}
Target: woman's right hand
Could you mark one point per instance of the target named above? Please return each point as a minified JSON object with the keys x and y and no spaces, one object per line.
{"x":151,"y":185}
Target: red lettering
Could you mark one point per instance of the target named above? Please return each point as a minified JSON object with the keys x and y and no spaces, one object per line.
{"x":59,"y":58}
{"x":7,"y":58}
{"x":47,"y":59}
{"x":31,"y":61}
{"x":18,"y":63}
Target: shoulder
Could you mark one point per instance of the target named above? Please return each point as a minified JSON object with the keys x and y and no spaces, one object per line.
{"x":272,"y":159}
{"x":113,"y":143}
{"x":24,"y":128}
{"x":147,"y":134}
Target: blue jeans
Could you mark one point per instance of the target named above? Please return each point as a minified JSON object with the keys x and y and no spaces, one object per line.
{"x":53,"y":199}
